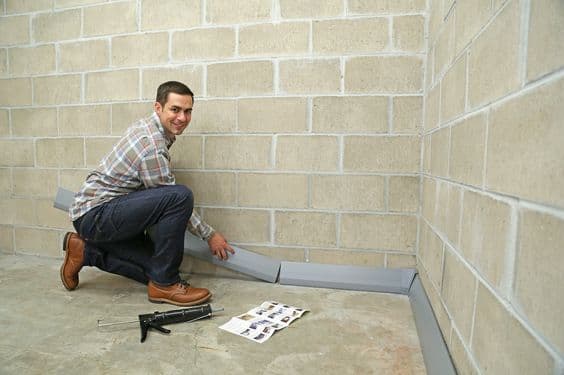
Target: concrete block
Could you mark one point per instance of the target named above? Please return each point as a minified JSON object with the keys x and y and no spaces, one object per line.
{"x":60,"y":152}
{"x":203,"y":44}
{"x":214,"y":116}
{"x":187,"y":153}
{"x":170,"y":14}
{"x":467,"y":150}
{"x":432,"y":105}
{"x":210,"y":188}
{"x":272,"y":115}
{"x":240,"y":225}
{"x":26,"y":6}
{"x":338,"y":37}
{"x":3,"y":63}
{"x":408,"y":33}
{"x":538,"y":282}
{"x":37,"y":241}
{"x":25,"y":182}
{"x":16,"y":153}
{"x":544,"y":52}
{"x":240,"y":78}
{"x":310,"y":9}
{"x":5,"y":182}
{"x":85,"y":120}
{"x":34,"y":122}
{"x":287,"y":38}
{"x":72,"y":3}
{"x":348,"y":192}
{"x":15,"y":92}
{"x":112,"y":85}
{"x":191,"y":75}
{"x":84,"y":55}
{"x":396,"y":154}
{"x":6,"y":238}
{"x":73,"y":179}
{"x":461,"y":358}
{"x":272,"y":190}
{"x":56,"y":26}
{"x":309,"y":76}
{"x":305,"y":228}
{"x":431,"y":253}
{"x":485,"y":239}
{"x":49,"y":218}
{"x":110,"y":19}
{"x":65,"y":89}
{"x":346,"y":257}
{"x":237,"y":152}
{"x":350,"y":114}
{"x":440,"y":144}
{"x":403,"y":194}
{"x":14,"y":30}
{"x":237,"y":11}
{"x":453,"y":90}
{"x":458,"y":290}
{"x":301,"y":153}
{"x":384,"y":232}
{"x":407,"y":115}
{"x":487,"y":78}
{"x":384,"y":74}
{"x":400,"y":261}
{"x":32,"y":60}
{"x":125,"y":114}
{"x":385,"y":7}
{"x":471,"y":16}
{"x":140,"y":49}
{"x":516,"y":149}
{"x":444,"y":51}
{"x":521,"y":353}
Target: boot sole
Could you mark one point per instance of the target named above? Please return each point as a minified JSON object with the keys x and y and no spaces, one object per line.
{"x":65,"y":247}
{"x":191,"y":303}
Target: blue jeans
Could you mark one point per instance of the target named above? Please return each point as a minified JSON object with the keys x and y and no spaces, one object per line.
{"x":139,"y":235}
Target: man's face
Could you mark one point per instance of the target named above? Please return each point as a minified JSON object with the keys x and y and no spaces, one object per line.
{"x":176,"y":113}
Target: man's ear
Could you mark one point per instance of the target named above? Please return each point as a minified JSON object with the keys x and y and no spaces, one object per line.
{"x":158,"y":107}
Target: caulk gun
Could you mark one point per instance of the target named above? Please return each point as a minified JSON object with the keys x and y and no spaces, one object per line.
{"x":157,"y":319}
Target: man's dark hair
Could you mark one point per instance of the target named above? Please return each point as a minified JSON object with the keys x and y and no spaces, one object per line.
{"x":175,"y":87}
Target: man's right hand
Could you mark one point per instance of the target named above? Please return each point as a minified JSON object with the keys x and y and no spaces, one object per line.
{"x":219,"y":246}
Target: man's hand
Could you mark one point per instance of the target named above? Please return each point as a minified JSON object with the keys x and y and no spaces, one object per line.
{"x":219,"y":246}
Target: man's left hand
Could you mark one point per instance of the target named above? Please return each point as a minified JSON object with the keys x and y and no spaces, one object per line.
{"x":219,"y":246}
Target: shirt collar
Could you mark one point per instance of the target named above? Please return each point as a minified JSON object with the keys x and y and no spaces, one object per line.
{"x":169,"y":139}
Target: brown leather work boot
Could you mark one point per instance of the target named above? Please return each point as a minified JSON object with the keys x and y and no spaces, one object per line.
{"x":73,"y":246}
{"x":180,"y":294}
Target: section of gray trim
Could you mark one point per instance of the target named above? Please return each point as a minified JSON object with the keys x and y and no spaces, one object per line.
{"x":333,"y":276}
{"x":64,"y":199}
{"x":435,"y":352}
{"x":244,"y":261}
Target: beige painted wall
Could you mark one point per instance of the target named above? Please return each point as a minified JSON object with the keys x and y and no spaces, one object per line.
{"x":492,"y":217}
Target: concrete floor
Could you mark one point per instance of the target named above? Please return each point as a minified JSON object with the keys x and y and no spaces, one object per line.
{"x":46,"y":329}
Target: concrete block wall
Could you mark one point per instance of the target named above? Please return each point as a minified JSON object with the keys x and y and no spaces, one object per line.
{"x":305,"y":139}
{"x":492,"y":214}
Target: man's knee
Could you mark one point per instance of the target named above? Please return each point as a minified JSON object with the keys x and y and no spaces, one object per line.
{"x":182,"y":194}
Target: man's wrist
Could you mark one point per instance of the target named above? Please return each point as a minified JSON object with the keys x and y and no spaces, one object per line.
{"x":210,"y":235}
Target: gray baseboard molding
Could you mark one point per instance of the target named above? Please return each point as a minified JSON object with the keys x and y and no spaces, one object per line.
{"x":63,"y":199}
{"x":244,"y":261}
{"x":435,"y":351}
{"x":385,"y":280}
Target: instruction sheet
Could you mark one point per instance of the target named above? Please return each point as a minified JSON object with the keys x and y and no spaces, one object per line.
{"x":259,"y":323}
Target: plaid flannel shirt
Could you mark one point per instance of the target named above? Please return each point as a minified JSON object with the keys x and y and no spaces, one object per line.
{"x":140,"y":160}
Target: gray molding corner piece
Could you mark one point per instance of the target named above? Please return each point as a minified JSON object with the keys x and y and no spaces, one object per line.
{"x":435,"y":352}
{"x":64,"y":199}
{"x":244,"y":261}
{"x":384,"y":280}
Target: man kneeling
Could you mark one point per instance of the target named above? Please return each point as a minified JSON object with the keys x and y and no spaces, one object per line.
{"x":131,"y":216}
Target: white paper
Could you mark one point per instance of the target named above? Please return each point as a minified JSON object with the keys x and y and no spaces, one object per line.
{"x":260,"y":323}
